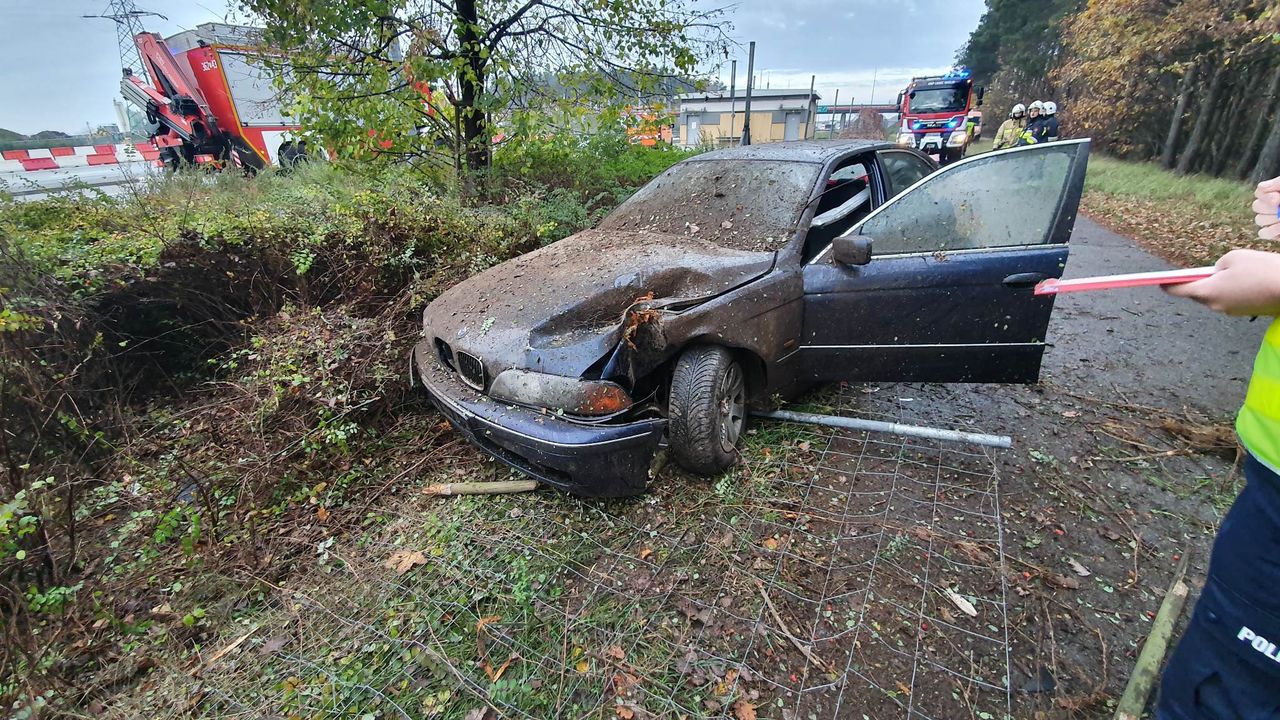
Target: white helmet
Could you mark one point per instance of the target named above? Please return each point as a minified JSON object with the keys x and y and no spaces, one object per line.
{"x":1050,"y":107}
{"x":1018,"y":110}
{"x":1037,"y":105}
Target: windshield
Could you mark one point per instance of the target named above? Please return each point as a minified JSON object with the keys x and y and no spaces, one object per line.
{"x":738,"y":204}
{"x":952,"y":99}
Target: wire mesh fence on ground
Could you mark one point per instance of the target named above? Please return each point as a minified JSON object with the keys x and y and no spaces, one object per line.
{"x":836,"y":575}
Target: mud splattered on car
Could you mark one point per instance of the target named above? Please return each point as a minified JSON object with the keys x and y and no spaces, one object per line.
{"x":738,"y":276}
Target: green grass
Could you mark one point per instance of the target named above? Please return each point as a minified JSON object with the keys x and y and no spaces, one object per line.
{"x":1187,"y":219}
{"x":1148,"y":181}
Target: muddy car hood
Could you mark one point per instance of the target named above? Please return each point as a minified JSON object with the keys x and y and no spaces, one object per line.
{"x":562,"y":308}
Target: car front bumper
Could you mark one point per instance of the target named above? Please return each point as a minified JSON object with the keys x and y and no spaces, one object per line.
{"x":590,"y":460}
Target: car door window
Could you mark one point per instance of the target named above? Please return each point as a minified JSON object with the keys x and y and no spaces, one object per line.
{"x":847,"y":190}
{"x":1010,"y":199}
{"x":903,"y":169}
{"x":846,"y":199}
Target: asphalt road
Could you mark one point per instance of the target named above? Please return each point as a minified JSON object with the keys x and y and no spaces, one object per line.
{"x":1141,"y":345}
{"x":111,"y":179}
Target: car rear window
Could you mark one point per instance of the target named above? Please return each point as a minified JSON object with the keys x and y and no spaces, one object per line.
{"x":738,"y":204}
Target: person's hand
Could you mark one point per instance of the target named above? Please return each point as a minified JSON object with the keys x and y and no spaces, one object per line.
{"x":1247,"y":282}
{"x":1266,"y":208}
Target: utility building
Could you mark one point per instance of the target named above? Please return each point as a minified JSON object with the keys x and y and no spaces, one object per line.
{"x":715,"y":119}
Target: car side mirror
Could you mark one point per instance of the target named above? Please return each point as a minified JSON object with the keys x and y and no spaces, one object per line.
{"x":851,"y":249}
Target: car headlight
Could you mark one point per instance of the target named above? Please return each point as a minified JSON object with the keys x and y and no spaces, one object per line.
{"x":906,"y":139}
{"x":555,"y":392}
{"x":957,"y":138}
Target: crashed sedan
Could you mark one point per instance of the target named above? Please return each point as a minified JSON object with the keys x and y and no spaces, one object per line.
{"x":744,"y":276}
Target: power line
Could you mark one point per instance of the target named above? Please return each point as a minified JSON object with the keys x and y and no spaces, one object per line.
{"x":128,"y":20}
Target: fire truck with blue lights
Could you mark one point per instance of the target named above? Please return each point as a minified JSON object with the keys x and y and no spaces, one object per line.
{"x":939,"y":114}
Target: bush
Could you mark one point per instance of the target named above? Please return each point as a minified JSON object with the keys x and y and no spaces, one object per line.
{"x":602,"y":170}
{"x":184,"y":370}
{"x":212,"y":373}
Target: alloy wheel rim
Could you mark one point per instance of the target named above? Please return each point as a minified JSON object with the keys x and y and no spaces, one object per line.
{"x":733,"y":405}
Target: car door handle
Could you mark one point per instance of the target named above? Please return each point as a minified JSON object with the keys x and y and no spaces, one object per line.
{"x":1022,"y":280}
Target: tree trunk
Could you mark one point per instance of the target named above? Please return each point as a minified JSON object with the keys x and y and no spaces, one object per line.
{"x":1227,"y":127}
{"x":1203,"y":116}
{"x":1259,"y":126}
{"x":1269,"y":158}
{"x":1175,"y":125}
{"x":475,"y":125}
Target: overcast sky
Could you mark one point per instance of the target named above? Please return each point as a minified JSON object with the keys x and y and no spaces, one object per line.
{"x":59,"y":71}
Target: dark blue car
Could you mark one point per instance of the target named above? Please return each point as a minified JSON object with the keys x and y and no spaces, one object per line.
{"x":742,"y":275}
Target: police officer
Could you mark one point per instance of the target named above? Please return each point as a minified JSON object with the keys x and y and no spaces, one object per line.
{"x":1030,"y":132}
{"x":1227,"y":664}
{"x":1049,"y":125}
{"x":1007,"y":135}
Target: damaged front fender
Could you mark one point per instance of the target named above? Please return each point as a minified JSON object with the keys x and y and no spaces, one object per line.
{"x":642,"y":345}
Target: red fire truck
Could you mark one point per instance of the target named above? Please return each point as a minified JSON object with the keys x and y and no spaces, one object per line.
{"x":939,"y":114}
{"x":212,"y":100}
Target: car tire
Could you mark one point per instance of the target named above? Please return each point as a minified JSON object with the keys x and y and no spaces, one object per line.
{"x":707,"y":409}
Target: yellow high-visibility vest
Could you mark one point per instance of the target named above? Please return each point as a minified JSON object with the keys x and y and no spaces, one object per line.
{"x":1258,"y":423}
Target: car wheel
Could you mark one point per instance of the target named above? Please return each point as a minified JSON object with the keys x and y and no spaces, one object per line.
{"x":707,"y":409}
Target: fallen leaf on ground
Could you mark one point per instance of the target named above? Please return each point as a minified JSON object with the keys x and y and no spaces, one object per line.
{"x":615,"y":652}
{"x":481,"y":650}
{"x":496,"y":675}
{"x":646,"y":552}
{"x":582,"y":667}
{"x":974,"y":552}
{"x":402,"y":561}
{"x":272,"y":646}
{"x":1079,"y":569}
{"x":769,"y":543}
{"x":743,"y":710}
{"x":322,"y":514}
{"x":686,"y":663}
{"x":959,"y":601}
{"x":624,"y":712}
{"x":1062,"y":581}
{"x":692,"y":611}
{"x":623,"y":682}
{"x":920,"y":532}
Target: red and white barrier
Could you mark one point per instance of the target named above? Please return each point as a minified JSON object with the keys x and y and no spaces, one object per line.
{"x":78,"y":156}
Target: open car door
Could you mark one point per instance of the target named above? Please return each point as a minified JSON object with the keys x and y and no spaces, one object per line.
{"x":945,"y":292}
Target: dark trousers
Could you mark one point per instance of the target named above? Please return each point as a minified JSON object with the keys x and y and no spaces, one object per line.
{"x":1227,"y":664}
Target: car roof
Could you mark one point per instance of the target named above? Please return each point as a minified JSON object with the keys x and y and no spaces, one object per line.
{"x":811,"y":151}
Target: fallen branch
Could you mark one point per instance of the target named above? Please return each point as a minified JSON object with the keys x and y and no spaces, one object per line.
{"x":219,"y":655}
{"x":481,"y":488}
{"x":804,"y":649}
{"x":1147,"y":668}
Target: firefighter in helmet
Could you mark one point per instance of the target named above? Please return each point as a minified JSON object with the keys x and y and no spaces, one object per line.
{"x":1049,"y":125}
{"x":1009,"y":130}
{"x":1030,"y":134}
